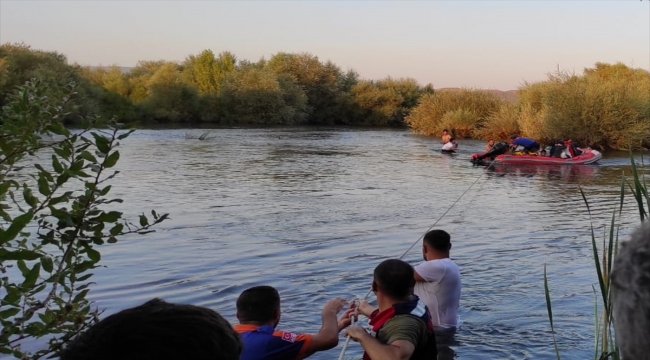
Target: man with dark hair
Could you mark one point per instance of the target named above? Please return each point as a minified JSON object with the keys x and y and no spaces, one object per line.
{"x":631,"y":295}
{"x":157,"y":330}
{"x":258,"y":312}
{"x":401,"y":325}
{"x":438,"y":279}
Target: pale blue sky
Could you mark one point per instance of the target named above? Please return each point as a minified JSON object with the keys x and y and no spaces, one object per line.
{"x":480,"y":44}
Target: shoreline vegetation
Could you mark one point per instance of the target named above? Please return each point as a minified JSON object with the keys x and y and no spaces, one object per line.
{"x":605,"y":107}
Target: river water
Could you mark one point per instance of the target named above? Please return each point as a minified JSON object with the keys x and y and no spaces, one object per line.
{"x":312,"y":211}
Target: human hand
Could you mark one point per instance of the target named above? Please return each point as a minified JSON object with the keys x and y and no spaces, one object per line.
{"x":334,"y":306}
{"x":346,"y":319}
{"x":365,"y":308}
{"x":356,"y":332}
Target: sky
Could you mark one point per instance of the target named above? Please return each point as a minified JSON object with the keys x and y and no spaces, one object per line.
{"x":474,"y":44}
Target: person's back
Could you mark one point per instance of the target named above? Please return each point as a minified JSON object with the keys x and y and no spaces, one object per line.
{"x":440,"y":290}
{"x":438,"y":281}
{"x":258,"y":312}
{"x":414,"y":329}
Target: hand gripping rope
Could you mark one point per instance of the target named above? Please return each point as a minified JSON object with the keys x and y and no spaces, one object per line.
{"x":356,"y":313}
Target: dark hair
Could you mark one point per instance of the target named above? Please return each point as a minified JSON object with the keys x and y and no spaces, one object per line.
{"x":512,"y":137}
{"x":258,"y":304}
{"x":438,"y":239}
{"x":157,"y":330}
{"x":445,"y":130}
{"x":395,"y":278}
{"x":452,"y":138}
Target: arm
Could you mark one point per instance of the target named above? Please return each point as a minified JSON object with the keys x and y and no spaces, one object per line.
{"x":430,"y":271}
{"x":328,"y":335}
{"x":397,"y":350}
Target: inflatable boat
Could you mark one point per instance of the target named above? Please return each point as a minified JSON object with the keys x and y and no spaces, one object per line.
{"x":499,"y":155}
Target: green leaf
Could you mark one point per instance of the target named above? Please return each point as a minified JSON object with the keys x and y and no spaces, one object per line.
{"x":32,"y":276}
{"x":56,"y":165}
{"x":125,"y":135}
{"x":111,"y":240}
{"x":116,"y":229}
{"x":85,"y":277}
{"x":77,"y":165}
{"x":6,"y":314}
{"x":19,"y":255}
{"x":143,"y":220}
{"x":47,"y":263}
{"x":109,"y":217}
{"x":111,"y":160}
{"x":30,"y":199}
{"x":93,"y":254}
{"x":43,"y":185}
{"x":17,"y":225}
{"x":86,"y":155}
{"x":58,"y":129}
{"x":102,"y":143}
{"x":80,"y":296}
{"x":4,"y":187}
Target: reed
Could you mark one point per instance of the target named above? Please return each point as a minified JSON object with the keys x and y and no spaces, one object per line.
{"x":605,"y":346}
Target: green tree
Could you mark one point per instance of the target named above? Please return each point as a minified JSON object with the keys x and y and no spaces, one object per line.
{"x":323,"y":83}
{"x":52,"y":219}
{"x":207,"y":71}
{"x":170,"y":99}
{"x":258,"y":96}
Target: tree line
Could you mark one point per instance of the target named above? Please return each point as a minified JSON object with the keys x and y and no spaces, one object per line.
{"x":287,"y":89}
{"x":607,"y":106}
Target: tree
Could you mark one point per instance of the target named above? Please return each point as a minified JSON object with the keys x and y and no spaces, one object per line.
{"x":52,"y":218}
{"x":258,"y":96}
{"x":323,"y":84}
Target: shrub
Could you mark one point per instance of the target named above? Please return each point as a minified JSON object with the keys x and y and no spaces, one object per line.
{"x":52,"y":219}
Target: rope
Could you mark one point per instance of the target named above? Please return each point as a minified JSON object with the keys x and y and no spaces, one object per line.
{"x":347,"y":338}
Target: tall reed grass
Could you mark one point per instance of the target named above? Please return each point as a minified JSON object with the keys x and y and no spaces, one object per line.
{"x":605,"y":346}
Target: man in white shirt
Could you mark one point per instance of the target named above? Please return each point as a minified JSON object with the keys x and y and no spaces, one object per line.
{"x":451,"y":146}
{"x":438,"y":279}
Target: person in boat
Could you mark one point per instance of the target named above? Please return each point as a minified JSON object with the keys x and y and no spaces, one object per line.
{"x":489,"y":145}
{"x":157,"y":330}
{"x":437,"y":279}
{"x":258,"y":312}
{"x":401,"y":326}
{"x":451,"y":146}
{"x":446,"y":137}
{"x":498,"y":149}
{"x":527,"y":145}
{"x":630,"y":296}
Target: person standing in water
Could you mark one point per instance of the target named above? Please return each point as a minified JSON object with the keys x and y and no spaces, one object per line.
{"x":437,"y":279}
{"x":446,"y":137}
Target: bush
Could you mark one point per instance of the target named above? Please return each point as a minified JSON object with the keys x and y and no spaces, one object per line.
{"x":464,"y":111}
{"x":52,"y":219}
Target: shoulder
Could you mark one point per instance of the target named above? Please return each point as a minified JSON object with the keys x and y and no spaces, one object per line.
{"x":404,"y":327}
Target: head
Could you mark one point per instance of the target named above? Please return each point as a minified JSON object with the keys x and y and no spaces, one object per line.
{"x":445,"y":132}
{"x":452,"y":140}
{"x":490,"y":142}
{"x":259,"y":305}
{"x":436,"y":245}
{"x":631,"y":294}
{"x":394,"y":279}
{"x":157,"y":330}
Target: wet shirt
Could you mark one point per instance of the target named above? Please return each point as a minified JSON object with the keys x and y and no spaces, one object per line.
{"x":266,"y":343}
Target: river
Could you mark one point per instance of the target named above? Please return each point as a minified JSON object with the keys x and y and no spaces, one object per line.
{"x":312,"y":211}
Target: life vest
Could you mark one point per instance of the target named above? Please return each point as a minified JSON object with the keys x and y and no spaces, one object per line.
{"x":414,"y":307}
